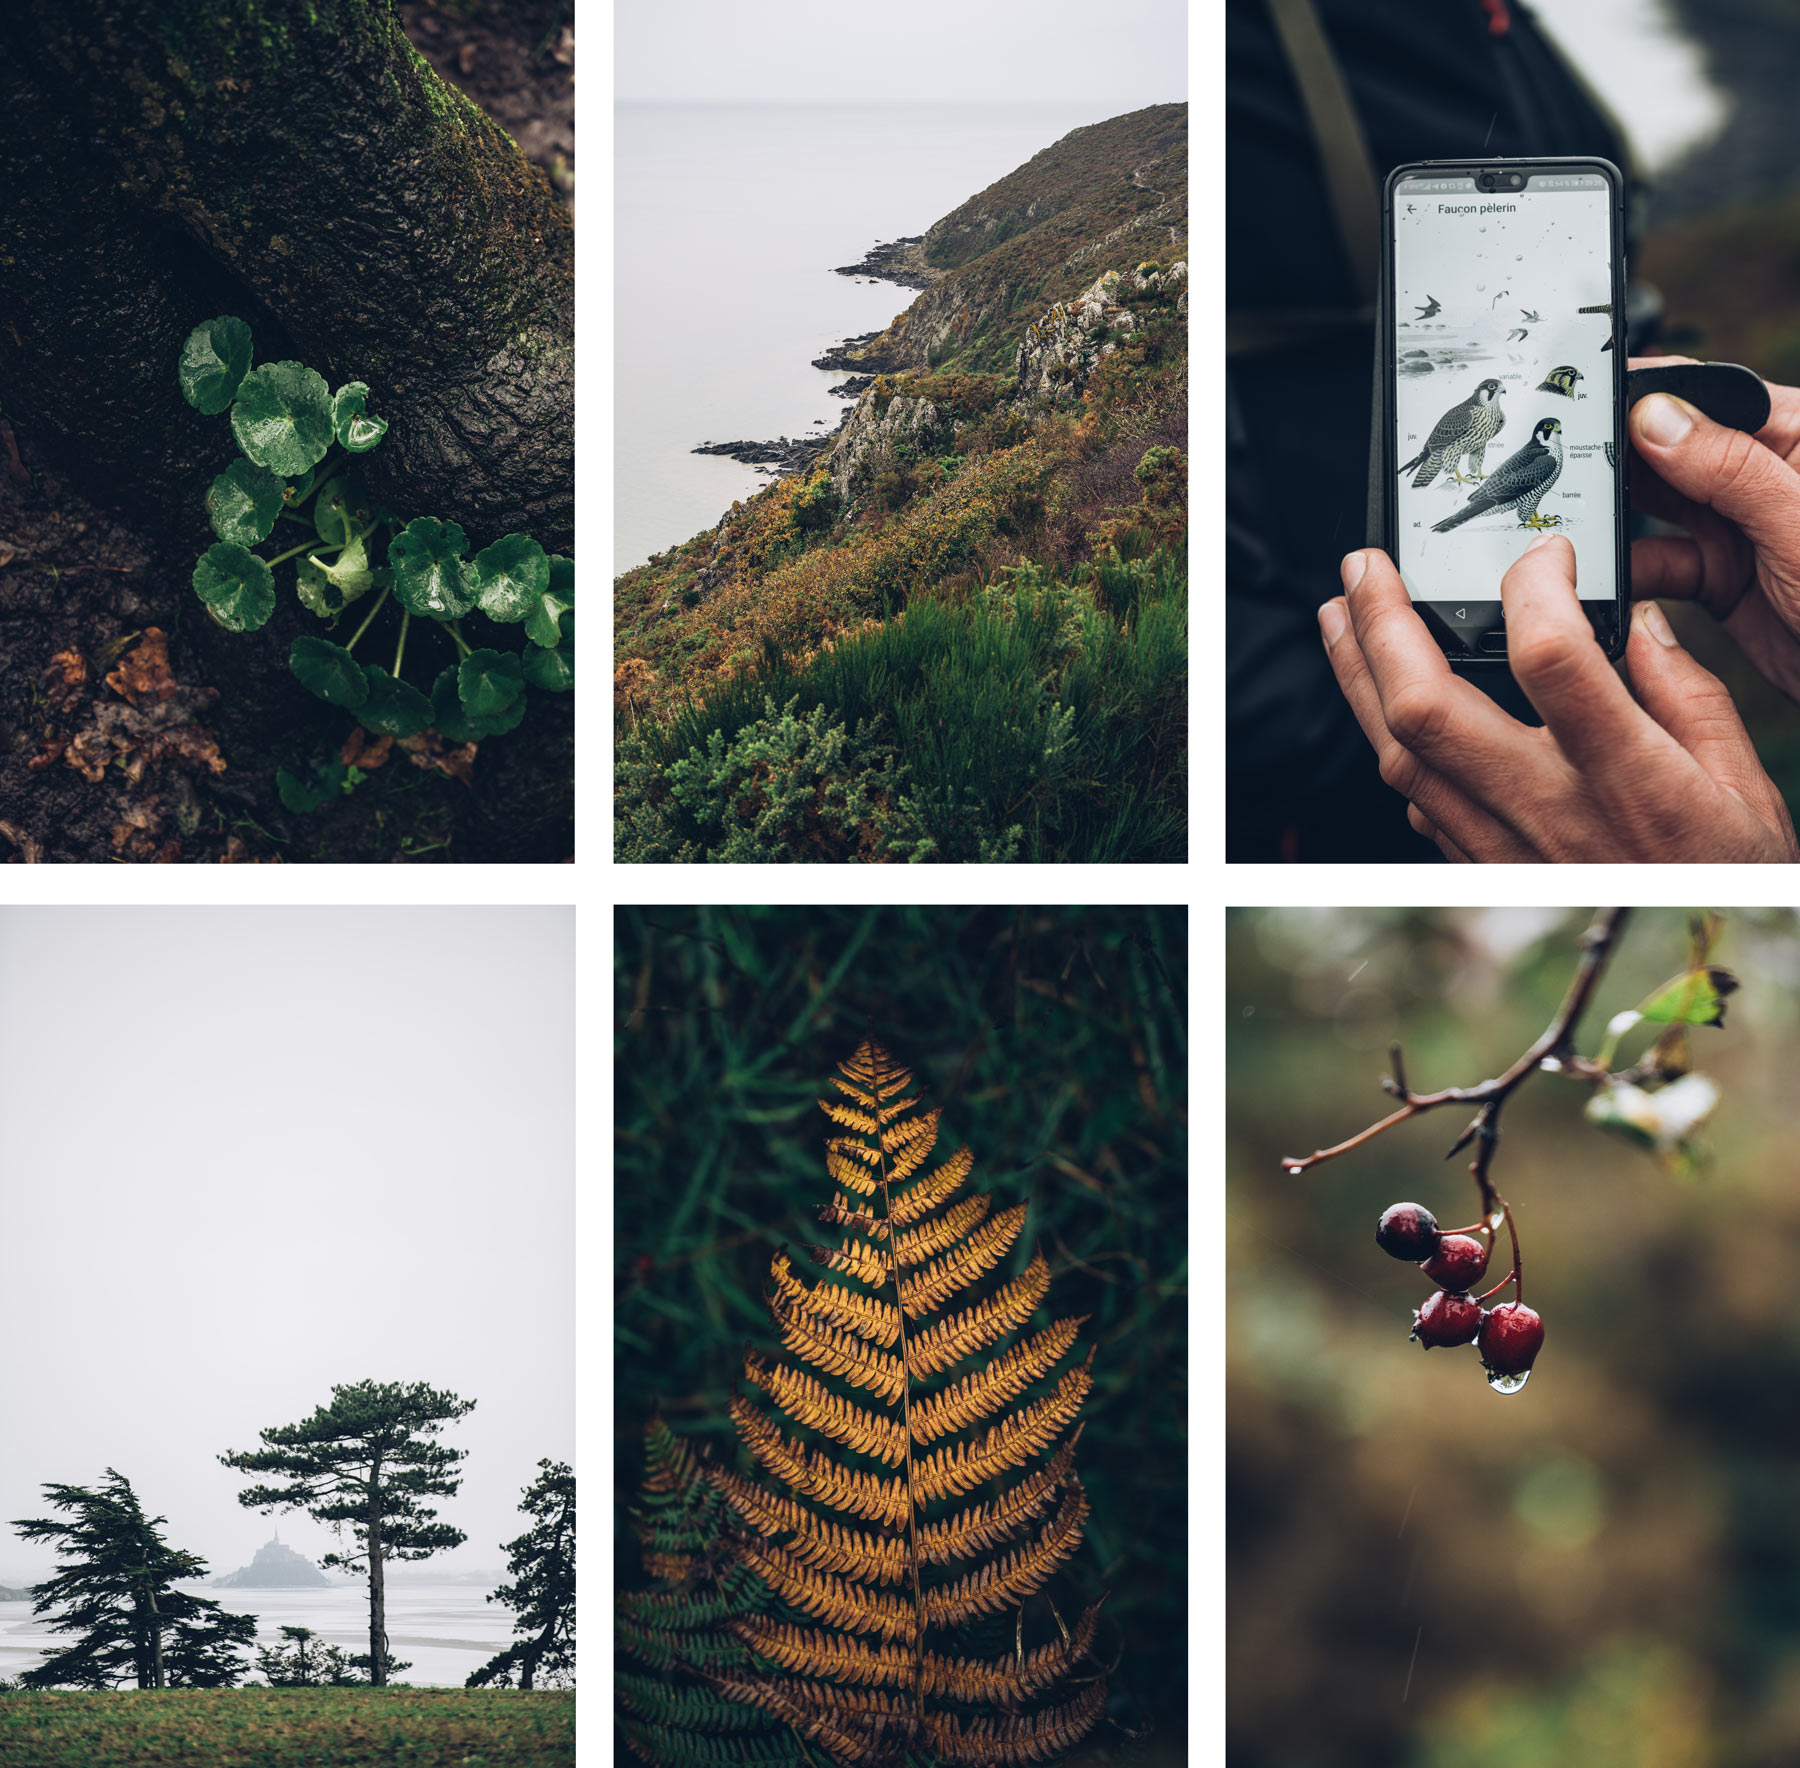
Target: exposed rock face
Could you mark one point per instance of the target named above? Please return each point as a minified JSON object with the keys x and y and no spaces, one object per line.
{"x":1060,"y":351}
{"x":275,"y":1567}
{"x":876,"y":433}
{"x":7,"y":1595}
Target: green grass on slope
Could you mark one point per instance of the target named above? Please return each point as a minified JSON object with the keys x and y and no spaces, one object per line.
{"x":289,"y":1728}
{"x":1089,"y":171}
{"x":1043,"y":719}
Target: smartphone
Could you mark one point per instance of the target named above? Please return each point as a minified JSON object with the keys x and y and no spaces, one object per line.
{"x":1502,"y":376}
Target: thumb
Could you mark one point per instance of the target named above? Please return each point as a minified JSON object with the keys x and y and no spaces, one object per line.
{"x":1727,"y":471}
{"x":1691,"y":704}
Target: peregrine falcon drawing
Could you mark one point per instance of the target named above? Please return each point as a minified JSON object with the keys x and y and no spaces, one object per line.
{"x":1430,"y":310}
{"x":1560,"y":380}
{"x":1464,"y":429}
{"x":1518,"y":483}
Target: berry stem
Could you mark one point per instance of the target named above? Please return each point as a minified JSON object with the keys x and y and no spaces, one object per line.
{"x":1554,"y":1043}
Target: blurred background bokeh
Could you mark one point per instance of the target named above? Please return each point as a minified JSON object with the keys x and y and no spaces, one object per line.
{"x":1705,"y":91}
{"x":1604,"y":1568}
{"x":1055,"y":1040}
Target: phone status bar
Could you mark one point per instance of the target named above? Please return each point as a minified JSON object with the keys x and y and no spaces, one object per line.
{"x":1540,"y":183}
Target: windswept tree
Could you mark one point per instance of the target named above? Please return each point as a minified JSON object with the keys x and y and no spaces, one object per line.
{"x":115,"y":1589}
{"x":542,"y":1563}
{"x":364,"y":1464}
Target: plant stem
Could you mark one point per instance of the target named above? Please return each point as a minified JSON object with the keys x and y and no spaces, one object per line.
{"x":454,"y":628}
{"x":292,"y":552}
{"x":1597,"y":946}
{"x":351,"y":646}
{"x":400,"y":648}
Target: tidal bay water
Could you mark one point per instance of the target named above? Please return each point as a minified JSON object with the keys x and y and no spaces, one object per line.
{"x":445,"y":1630}
{"x":729,"y":220}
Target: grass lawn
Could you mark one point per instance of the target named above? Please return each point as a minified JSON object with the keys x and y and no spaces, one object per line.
{"x":290,"y":1728}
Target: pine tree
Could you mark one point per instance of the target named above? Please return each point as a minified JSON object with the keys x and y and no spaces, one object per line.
{"x":303,"y":1664}
{"x":364,"y":1463}
{"x":542,"y":1562}
{"x":116,"y":1590}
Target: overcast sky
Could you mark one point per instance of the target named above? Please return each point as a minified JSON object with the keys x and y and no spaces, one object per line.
{"x":247,"y":1153}
{"x":1122,"y":56}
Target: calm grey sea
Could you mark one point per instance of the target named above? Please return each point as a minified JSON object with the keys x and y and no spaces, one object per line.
{"x":444,"y":1630}
{"x":729,"y":220}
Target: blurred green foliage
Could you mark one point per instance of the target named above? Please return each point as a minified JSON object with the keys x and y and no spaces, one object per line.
{"x":1055,"y":1040}
{"x":1605,"y":1568}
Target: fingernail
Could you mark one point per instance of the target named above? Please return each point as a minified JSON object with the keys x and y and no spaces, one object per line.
{"x":1542,"y":540}
{"x":1332,"y":622}
{"x":1655,"y":622}
{"x":1662,"y":419}
{"x":1352,"y":569}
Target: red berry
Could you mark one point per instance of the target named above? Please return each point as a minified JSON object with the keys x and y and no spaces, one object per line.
{"x":1446,"y":1319}
{"x":1459,"y":1263}
{"x":1408,"y":1231}
{"x":1511,"y":1336}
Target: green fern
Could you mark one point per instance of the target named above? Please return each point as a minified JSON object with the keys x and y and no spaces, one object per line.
{"x":676,"y":1632}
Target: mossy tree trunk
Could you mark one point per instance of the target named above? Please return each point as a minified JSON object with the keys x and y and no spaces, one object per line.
{"x":297,"y":162}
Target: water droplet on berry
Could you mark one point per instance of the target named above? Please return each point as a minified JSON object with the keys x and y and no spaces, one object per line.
{"x":1507,"y":1384}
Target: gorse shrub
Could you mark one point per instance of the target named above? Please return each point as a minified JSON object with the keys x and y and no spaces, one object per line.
{"x":299,"y":442}
{"x":1041,"y":719}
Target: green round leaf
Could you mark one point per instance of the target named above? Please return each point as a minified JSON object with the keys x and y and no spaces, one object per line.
{"x":334,"y":511}
{"x":243,"y":502}
{"x":510,"y":577}
{"x":446,"y":710}
{"x":300,"y":795}
{"x":430,"y":575}
{"x":394,"y":708}
{"x":553,"y":669}
{"x":450,"y":718}
{"x":282,"y":418}
{"x":558,"y":598}
{"x":488,"y":682}
{"x":215,"y":358}
{"x":351,"y":421}
{"x":237,"y":587}
{"x":329,"y":671}
{"x":329,"y":586}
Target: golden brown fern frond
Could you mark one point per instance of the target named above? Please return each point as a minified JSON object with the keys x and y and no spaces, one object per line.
{"x":915,"y":1290}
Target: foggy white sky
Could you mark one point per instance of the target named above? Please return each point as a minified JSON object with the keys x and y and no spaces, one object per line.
{"x":247,"y":1153}
{"x":1123,"y":55}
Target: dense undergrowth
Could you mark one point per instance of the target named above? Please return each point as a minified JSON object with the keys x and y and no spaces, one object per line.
{"x":1042,"y":718}
{"x":968,"y":642}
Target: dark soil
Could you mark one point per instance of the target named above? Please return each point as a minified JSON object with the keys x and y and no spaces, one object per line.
{"x":116,"y":740}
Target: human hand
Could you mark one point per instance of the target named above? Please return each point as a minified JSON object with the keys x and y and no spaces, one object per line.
{"x":1738,"y":497}
{"x":1669,"y":776}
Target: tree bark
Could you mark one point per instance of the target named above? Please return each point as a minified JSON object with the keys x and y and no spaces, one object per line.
{"x":377,"y":1586}
{"x":165,"y":157}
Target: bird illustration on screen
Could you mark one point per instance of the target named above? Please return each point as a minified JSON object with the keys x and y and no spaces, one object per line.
{"x":1560,"y":380}
{"x":1430,"y":310}
{"x":1518,"y":483}
{"x":1464,"y":429}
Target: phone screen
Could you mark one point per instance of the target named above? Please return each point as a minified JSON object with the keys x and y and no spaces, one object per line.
{"x":1503,"y":397}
